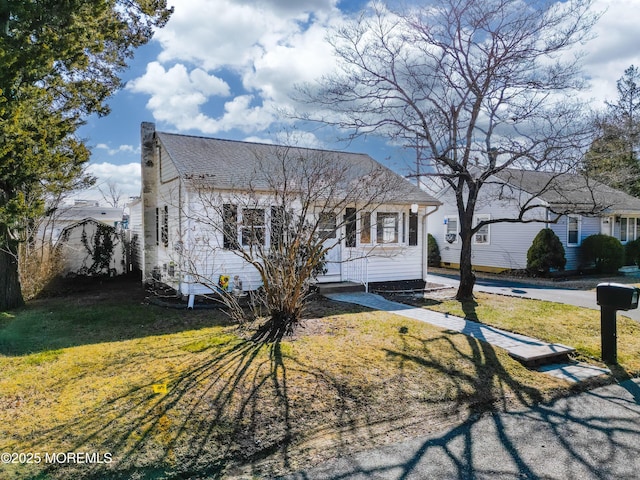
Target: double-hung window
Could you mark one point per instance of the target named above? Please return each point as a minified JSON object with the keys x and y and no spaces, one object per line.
{"x":481,"y":237}
{"x":451,"y":229}
{"x":387,"y":227}
{"x":573,"y":230}
{"x":413,"y":229}
{"x":365,"y":228}
{"x":253,"y":226}
{"x":230,"y":226}
{"x":629,"y":229}
{"x":327,"y":226}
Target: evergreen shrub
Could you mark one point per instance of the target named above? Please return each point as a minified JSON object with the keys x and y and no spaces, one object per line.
{"x":604,"y":252}
{"x":546,"y":253}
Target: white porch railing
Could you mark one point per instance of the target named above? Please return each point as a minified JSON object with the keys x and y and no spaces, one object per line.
{"x":356,"y":270}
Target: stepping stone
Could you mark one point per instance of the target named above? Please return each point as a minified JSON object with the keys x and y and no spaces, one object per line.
{"x":532,"y":355}
{"x":574,"y":372}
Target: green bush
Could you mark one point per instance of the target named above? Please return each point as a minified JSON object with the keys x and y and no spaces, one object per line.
{"x":632,"y":252}
{"x":603,"y":251}
{"x":433,"y":252}
{"x":546,"y":252}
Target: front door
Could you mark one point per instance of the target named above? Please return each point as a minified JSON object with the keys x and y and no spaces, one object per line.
{"x":327,"y":230}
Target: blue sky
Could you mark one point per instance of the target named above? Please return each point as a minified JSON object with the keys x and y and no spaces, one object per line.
{"x":220,"y":67}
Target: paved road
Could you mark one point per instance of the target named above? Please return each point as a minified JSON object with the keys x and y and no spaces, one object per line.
{"x":580,"y":298}
{"x":593,"y":435}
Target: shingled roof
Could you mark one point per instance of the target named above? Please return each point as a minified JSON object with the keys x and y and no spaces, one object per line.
{"x":237,"y":165}
{"x":571,"y":192}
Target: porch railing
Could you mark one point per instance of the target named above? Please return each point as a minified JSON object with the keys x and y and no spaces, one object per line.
{"x":356,"y":270}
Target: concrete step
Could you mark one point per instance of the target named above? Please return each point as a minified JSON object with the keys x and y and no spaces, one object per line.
{"x":574,"y":372}
{"x":339,"y":287}
{"x":534,"y":355}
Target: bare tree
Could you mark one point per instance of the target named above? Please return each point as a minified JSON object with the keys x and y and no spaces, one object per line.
{"x":281,"y":220}
{"x":478,"y":86}
{"x":111,"y":194}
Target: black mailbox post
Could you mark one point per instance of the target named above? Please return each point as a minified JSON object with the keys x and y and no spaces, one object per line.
{"x":612,"y":297}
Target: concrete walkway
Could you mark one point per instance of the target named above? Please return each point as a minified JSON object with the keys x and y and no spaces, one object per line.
{"x":512,"y":342}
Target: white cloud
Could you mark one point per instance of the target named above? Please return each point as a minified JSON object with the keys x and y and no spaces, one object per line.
{"x":126,"y":149}
{"x":176,"y":95}
{"x":263,"y":48}
{"x":126,"y":177}
{"x":266,"y":46}
{"x":614,"y":49}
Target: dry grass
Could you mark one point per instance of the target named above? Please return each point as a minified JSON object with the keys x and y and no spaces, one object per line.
{"x":78,"y":376}
{"x":552,"y":322}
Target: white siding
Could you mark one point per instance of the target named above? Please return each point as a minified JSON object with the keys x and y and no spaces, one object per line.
{"x":204,"y":250}
{"x":136,"y":233}
{"x":588,"y":226}
{"x":508,"y":242}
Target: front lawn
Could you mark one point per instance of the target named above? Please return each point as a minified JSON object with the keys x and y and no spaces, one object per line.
{"x":551,"y":322}
{"x":139,"y":391}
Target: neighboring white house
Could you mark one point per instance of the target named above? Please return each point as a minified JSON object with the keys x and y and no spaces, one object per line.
{"x":572,"y":206}
{"x":389,"y":245}
{"x":66,"y":215}
{"x":92,"y":247}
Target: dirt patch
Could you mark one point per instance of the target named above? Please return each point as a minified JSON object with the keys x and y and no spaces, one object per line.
{"x":88,"y":290}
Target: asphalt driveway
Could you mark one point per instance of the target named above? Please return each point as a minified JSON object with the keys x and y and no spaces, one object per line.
{"x":515,"y":288}
{"x":592,"y":435}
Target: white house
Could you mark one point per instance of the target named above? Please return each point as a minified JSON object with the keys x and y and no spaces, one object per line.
{"x":92,"y":247}
{"x":380,"y":244}
{"x":571,"y":205}
{"x":66,"y":215}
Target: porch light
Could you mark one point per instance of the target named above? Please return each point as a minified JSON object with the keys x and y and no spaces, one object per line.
{"x":414,"y":208}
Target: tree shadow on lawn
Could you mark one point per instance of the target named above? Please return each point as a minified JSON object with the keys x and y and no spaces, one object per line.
{"x":207,"y":418}
{"x":260,"y":407}
{"x":227,"y":405}
{"x":531,"y":439}
{"x":570,"y":436}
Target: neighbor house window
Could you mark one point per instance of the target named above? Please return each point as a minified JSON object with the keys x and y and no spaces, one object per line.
{"x":573,"y":230}
{"x":629,"y":229}
{"x":365,"y":227}
{"x":253,"y":226}
{"x":481,"y":237}
{"x":413,"y":229}
{"x":451,"y":229}
{"x":387,"y":224}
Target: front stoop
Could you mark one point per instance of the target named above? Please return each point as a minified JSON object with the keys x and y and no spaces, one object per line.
{"x":535,"y":355}
{"x":339,"y":287}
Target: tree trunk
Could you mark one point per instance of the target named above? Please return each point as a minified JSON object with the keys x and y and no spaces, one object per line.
{"x":467,"y":277}
{"x":10,"y":288}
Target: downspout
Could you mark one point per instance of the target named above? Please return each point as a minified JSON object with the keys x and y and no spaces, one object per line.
{"x":425,"y":251}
